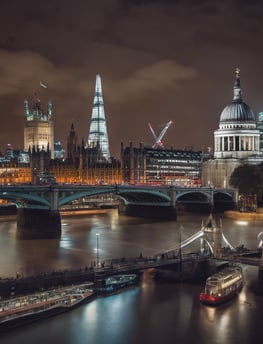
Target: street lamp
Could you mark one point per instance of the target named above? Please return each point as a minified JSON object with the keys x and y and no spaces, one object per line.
{"x":97,"y":235}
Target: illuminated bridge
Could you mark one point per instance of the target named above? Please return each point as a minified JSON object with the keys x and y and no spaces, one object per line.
{"x":55,"y":196}
{"x":134,"y":200}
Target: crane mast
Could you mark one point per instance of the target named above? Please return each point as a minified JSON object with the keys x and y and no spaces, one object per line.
{"x":158,"y":144}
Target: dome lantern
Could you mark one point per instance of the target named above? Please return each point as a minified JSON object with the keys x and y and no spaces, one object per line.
{"x":237,"y":88}
{"x":237,"y":111}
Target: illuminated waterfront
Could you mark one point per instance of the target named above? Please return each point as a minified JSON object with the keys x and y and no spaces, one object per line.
{"x":155,"y":312}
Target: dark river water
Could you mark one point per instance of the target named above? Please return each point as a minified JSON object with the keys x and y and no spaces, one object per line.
{"x":154,"y":312}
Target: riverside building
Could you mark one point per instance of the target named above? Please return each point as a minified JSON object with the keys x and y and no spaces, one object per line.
{"x":236,"y":141}
{"x":161,"y":166}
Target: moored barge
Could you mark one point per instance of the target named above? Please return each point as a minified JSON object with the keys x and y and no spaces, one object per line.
{"x":115,"y":283}
{"x":26,"y":309}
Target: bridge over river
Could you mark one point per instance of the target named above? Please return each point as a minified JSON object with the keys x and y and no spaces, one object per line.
{"x":39,"y":205}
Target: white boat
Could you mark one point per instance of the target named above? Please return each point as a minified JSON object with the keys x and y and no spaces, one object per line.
{"x":222,"y":286}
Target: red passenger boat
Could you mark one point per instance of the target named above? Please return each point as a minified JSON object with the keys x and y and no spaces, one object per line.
{"x":222,"y":286}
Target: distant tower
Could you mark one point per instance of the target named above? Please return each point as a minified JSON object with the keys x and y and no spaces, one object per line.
{"x":98,"y":135}
{"x":72,"y":144}
{"x":39,"y":128}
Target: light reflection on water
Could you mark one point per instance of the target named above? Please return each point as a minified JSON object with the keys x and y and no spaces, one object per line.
{"x":152,"y":313}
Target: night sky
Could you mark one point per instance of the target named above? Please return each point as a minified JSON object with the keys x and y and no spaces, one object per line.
{"x":158,"y":60}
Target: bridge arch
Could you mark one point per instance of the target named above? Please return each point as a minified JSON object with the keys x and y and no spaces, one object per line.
{"x":194,"y":196}
{"x":21,"y":200}
{"x":127,"y":196}
{"x":65,"y":198}
{"x":222,"y":196}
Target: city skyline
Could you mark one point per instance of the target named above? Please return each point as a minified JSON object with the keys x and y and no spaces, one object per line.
{"x":159,"y":61}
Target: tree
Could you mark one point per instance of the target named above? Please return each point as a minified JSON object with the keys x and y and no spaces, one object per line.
{"x":248,"y":179}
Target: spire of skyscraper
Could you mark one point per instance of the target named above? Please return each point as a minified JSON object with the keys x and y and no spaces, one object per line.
{"x":98,"y":135}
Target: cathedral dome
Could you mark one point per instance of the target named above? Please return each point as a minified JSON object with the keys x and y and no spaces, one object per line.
{"x":238,"y":111}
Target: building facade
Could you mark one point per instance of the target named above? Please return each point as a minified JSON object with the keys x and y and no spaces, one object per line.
{"x":260,"y":128}
{"x":39,"y":127}
{"x":84,"y":165}
{"x":236,"y":141}
{"x":161,"y":166}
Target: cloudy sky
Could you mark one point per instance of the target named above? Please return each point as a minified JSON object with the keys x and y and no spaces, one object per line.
{"x":159,"y":60}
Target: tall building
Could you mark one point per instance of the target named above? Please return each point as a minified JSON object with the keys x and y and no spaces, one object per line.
{"x":98,"y":135}
{"x":236,"y":141}
{"x":39,"y":127}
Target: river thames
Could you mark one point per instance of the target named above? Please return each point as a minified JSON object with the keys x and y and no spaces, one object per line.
{"x":154,"y":312}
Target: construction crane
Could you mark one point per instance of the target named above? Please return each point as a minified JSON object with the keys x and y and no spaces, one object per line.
{"x":158,"y":139}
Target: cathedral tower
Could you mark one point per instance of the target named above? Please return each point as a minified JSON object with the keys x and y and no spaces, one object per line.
{"x":39,"y":127}
{"x":98,"y":135}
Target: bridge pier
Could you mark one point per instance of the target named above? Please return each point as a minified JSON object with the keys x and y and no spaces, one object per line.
{"x":149,"y":211}
{"x":38,"y":223}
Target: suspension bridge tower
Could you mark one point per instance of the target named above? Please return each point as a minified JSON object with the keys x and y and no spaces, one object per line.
{"x":212,"y":237}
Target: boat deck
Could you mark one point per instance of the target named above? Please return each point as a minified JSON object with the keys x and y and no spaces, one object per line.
{"x":38,"y":302}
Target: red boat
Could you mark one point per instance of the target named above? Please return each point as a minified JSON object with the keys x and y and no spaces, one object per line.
{"x":222,"y":286}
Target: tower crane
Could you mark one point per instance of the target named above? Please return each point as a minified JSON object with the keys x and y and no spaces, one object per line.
{"x":158,"y":139}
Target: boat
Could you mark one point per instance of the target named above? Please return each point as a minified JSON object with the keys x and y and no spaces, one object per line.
{"x":222,"y":286}
{"x":114,"y":283}
{"x":26,"y":309}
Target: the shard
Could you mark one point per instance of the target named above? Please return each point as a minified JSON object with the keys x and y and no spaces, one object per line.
{"x":98,"y":135}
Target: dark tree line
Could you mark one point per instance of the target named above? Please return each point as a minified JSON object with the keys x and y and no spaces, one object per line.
{"x":248,"y":179}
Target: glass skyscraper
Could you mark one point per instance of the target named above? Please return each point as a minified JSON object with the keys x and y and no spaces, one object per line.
{"x":98,"y":135}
